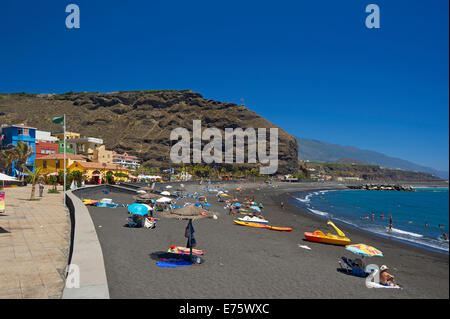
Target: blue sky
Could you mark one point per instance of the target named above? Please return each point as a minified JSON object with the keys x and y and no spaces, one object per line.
{"x":311,"y":67}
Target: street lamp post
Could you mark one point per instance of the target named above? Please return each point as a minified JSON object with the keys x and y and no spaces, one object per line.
{"x":64,"y":160}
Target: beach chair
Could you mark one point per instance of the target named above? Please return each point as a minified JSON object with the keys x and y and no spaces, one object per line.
{"x":150,"y":223}
{"x":131,"y":222}
{"x":353,"y":267}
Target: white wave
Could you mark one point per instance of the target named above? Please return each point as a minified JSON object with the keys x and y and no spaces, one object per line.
{"x":399,"y":231}
{"x":418,"y":239}
{"x":318,"y":212}
{"x":345,"y":222}
{"x":429,"y":242}
{"x":307,"y":199}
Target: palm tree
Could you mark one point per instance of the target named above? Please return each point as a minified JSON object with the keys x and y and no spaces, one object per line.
{"x":7,"y":157}
{"x":35,"y":177}
{"x":22,"y":152}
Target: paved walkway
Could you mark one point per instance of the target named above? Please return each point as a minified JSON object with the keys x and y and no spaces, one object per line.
{"x":34,"y":245}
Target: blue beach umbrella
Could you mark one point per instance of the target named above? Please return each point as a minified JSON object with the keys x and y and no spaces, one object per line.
{"x":256,"y":208}
{"x":138,"y":209}
{"x":237,"y":204}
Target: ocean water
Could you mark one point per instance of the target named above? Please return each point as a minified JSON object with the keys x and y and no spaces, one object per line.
{"x":410,"y":212}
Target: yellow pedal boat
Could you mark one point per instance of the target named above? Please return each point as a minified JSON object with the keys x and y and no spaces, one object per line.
{"x":320,"y":237}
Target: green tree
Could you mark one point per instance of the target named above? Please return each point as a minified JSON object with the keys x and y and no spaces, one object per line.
{"x":109,"y":178}
{"x":7,"y":157}
{"x":22,"y":152}
{"x":53,"y":180}
{"x":77,"y":176}
{"x":34,"y":178}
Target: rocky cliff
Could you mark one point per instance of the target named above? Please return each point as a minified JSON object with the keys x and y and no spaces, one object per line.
{"x":368,"y":172}
{"x":138,"y":122}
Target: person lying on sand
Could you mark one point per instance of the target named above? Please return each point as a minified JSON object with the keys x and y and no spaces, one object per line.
{"x":386,"y":278}
{"x":358,"y":263}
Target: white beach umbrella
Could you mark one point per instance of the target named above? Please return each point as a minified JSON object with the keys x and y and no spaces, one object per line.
{"x":4,"y":177}
{"x":164,"y":200}
{"x":165,"y":193}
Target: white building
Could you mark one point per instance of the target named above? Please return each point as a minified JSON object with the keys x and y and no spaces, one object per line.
{"x":126,"y":160}
{"x":45,"y":137}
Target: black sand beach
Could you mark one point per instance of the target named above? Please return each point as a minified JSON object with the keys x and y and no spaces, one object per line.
{"x":244,"y":262}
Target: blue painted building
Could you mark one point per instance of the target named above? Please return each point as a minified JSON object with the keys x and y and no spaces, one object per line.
{"x":11,"y":135}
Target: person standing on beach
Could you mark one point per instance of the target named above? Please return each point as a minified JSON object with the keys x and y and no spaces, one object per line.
{"x":41,"y":189}
{"x":282,"y":205}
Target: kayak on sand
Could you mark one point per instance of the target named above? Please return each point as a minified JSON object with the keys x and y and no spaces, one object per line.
{"x":253,"y":220}
{"x":258,"y":225}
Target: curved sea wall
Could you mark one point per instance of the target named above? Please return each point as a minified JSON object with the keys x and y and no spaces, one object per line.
{"x":86,"y":276}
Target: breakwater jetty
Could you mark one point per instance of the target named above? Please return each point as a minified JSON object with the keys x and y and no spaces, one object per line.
{"x":381,"y":187}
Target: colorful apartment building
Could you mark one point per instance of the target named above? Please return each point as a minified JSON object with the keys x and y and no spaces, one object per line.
{"x":84,"y":145}
{"x":54,"y":163}
{"x":11,"y":135}
{"x":102,"y":155}
{"x":69,"y":136}
{"x":125,"y":160}
{"x":44,"y":148}
{"x":96,"y":172}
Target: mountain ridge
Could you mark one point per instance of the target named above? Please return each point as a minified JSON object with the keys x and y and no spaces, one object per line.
{"x":140,"y":122}
{"x":320,"y":151}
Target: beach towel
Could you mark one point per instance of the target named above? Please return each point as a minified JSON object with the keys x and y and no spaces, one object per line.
{"x":372,"y":284}
{"x":174,"y":263}
{"x":105,"y":205}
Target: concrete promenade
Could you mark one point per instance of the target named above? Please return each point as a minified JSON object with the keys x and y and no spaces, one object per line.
{"x":34,"y":244}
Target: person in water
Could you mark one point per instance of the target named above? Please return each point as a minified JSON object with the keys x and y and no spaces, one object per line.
{"x":390,"y":221}
{"x":373,"y":216}
{"x":386,"y":279}
{"x":444,"y":235}
{"x":381,"y":215}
